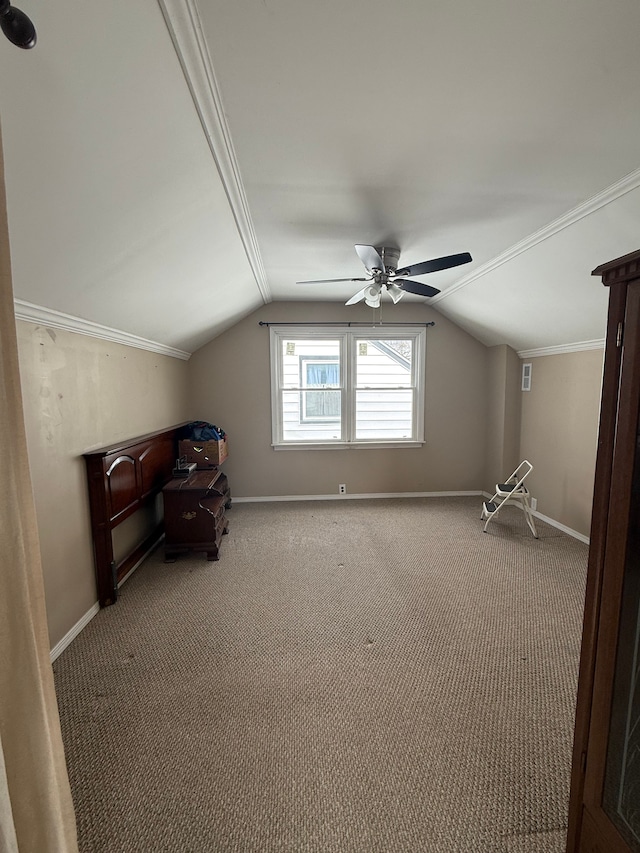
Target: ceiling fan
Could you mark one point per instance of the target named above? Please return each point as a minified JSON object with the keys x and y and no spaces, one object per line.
{"x":383,"y":274}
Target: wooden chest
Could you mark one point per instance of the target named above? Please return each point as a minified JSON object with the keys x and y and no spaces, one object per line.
{"x":194,"y":513}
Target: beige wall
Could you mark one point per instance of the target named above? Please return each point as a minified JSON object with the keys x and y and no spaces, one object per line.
{"x":559,"y":434}
{"x":81,"y":393}
{"x":503,"y":415}
{"x":230,"y":386}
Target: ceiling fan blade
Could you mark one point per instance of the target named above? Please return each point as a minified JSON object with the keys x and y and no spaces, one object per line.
{"x":416,"y":287}
{"x":330,"y":280}
{"x":436,"y":264}
{"x":370,"y":257}
{"x":357,"y":297}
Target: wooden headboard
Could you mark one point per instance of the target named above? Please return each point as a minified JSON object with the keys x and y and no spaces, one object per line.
{"x":122,"y":479}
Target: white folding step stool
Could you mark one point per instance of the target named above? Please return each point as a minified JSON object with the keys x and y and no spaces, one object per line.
{"x":513,"y":493}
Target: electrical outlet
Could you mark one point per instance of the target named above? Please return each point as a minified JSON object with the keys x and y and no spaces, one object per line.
{"x":534,"y":504}
{"x":342,"y":489}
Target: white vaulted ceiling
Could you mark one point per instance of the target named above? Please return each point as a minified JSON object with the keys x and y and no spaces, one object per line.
{"x":173,"y":164}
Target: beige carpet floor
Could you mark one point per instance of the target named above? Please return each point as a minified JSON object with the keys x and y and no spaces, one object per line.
{"x":351,"y":677}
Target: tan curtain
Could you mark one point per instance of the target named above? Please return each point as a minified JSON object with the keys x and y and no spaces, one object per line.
{"x":36,"y":811}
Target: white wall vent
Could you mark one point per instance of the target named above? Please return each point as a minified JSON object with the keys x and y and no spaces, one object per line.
{"x":526,"y":377}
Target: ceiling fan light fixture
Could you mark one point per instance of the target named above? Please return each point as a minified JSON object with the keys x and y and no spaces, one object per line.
{"x":396,"y":293}
{"x":373,"y":295}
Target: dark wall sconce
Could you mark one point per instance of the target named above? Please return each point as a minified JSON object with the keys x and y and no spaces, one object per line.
{"x":16,"y":26}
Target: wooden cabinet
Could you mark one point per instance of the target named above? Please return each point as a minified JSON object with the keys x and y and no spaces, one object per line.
{"x":194,"y":513}
{"x":604,"y":814}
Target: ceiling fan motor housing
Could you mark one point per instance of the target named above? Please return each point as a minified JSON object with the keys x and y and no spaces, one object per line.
{"x":390,"y":255}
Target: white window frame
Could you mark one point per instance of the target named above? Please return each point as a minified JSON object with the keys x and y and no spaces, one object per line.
{"x":348,"y":336}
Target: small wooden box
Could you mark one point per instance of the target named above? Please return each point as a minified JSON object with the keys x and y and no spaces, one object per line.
{"x":206,"y":454}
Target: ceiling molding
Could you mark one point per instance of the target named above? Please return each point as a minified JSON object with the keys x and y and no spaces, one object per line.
{"x":581,"y":346}
{"x":57,"y":320}
{"x":185,"y":28}
{"x":625,"y":185}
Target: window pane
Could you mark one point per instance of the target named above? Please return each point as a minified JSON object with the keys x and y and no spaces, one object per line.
{"x":384,"y":394}
{"x":299,"y":354}
{"x":321,"y":405}
{"x":311,"y":416}
{"x":320,"y":374}
{"x":384,"y":414}
{"x":384,"y":363}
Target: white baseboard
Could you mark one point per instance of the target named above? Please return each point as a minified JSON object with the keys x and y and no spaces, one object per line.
{"x":270,"y":498}
{"x":57,"y":650}
{"x":70,"y":636}
{"x":568,"y":530}
{"x":580,"y":536}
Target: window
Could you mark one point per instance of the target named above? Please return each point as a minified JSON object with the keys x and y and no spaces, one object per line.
{"x":341,"y":387}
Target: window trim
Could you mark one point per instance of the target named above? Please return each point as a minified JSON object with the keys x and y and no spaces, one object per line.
{"x":348,"y":336}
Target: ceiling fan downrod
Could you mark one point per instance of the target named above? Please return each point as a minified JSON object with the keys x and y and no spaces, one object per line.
{"x":17,"y":26}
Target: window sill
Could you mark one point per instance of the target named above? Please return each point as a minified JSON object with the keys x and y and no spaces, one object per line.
{"x":344,"y":445}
